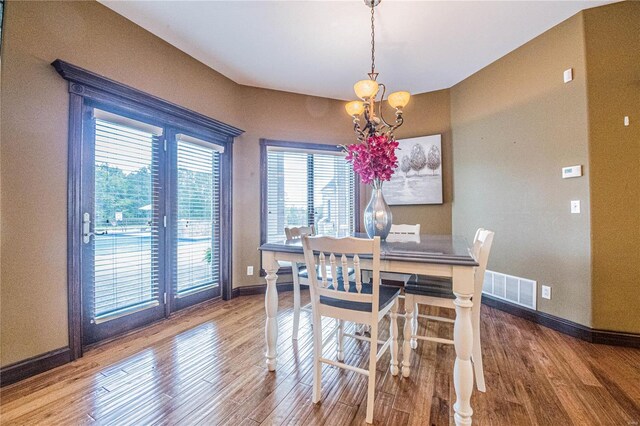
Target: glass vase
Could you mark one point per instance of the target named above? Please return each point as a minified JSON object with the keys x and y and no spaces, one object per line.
{"x":377,"y":215}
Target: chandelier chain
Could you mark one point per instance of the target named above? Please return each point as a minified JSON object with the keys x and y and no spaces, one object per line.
{"x":373,"y":40}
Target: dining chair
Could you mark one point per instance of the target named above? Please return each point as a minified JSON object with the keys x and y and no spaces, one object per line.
{"x":354,"y":301}
{"x":401,"y":233}
{"x":397,"y":233}
{"x":300,"y":275}
{"x":439,"y":292}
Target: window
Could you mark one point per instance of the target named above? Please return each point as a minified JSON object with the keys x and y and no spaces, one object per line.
{"x":306,"y":184}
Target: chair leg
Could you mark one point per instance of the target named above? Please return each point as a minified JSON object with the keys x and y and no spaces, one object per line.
{"x":414,"y":326}
{"x":317,"y":353}
{"x":340,"y":341}
{"x":371,"y":388}
{"x":393,"y":331}
{"x":408,"y":325}
{"x":476,"y":354}
{"x":296,"y":306}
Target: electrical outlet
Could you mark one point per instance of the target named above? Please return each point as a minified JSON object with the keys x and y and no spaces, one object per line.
{"x":546,"y":292}
{"x":249,"y":270}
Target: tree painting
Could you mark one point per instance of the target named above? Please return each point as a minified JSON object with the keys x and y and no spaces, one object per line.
{"x":433,"y":159}
{"x":405,"y":165}
{"x":418,"y":159}
{"x":418,"y":177}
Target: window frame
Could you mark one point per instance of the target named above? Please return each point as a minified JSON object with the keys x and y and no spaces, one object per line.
{"x":88,"y":90}
{"x":307,"y":146}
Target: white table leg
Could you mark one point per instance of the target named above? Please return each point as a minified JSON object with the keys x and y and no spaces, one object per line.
{"x":394,"y":338}
{"x":406,"y":347}
{"x":463,"y":342}
{"x":271,"y":307}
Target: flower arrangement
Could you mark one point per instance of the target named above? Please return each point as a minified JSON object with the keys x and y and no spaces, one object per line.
{"x":373,"y":159}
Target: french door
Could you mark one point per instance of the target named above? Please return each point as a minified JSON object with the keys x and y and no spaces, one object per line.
{"x":151,"y":219}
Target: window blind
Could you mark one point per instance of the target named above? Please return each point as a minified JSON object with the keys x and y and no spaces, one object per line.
{"x":126,"y":218}
{"x":304,"y":188}
{"x":198,"y":216}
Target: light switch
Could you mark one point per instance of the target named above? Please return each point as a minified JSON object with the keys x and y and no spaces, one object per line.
{"x":568,"y":75}
{"x":575,"y":206}
{"x":626,"y":120}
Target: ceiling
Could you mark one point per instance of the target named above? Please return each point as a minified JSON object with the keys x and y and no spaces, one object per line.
{"x":322,"y":47}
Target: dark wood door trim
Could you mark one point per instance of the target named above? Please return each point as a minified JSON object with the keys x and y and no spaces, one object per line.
{"x":87,"y":89}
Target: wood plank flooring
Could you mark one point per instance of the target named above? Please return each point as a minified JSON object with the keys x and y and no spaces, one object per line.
{"x":206,"y":366}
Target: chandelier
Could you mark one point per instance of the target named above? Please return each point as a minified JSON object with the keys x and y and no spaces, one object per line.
{"x":367,"y":91}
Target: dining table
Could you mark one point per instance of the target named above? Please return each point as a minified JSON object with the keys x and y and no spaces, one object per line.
{"x":433,"y":255}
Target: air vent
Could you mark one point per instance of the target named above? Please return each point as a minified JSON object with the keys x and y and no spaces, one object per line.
{"x":520,"y":291}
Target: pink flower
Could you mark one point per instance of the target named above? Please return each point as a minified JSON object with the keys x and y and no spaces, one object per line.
{"x":374,"y":160}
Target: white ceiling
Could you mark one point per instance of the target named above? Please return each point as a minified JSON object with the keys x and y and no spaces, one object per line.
{"x":323,"y":47}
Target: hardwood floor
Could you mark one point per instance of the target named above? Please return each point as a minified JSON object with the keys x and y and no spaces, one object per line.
{"x":206,"y":366}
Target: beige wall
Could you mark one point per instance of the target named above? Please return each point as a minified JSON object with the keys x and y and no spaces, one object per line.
{"x":515,"y":125}
{"x":34,"y":147}
{"x":427,"y":114}
{"x":613,"y":85}
{"x":281,"y":116}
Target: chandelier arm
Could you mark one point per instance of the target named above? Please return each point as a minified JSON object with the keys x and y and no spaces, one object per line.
{"x":367,"y":117}
{"x":384,"y":90}
{"x":398,"y":123}
{"x":356,"y":128}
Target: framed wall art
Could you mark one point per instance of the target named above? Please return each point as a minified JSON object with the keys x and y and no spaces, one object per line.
{"x":418,"y":178}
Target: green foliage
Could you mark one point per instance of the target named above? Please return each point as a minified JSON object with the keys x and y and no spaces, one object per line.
{"x":195,"y":192}
{"x":296,"y":216}
{"x":120,"y":192}
{"x":117,"y":191}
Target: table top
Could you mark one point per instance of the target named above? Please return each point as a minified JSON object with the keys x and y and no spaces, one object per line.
{"x":441,"y":249}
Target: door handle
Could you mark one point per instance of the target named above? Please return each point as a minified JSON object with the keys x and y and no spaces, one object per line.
{"x":86,"y":229}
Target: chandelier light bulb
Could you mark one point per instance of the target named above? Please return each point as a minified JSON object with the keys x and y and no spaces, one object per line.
{"x":399,"y":100}
{"x":354,"y":108}
{"x":365,"y":89}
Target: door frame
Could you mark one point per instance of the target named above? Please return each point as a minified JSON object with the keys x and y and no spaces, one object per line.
{"x":86,"y":87}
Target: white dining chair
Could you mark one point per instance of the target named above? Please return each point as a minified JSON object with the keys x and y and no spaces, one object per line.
{"x":300,"y":275}
{"x":439,"y":292}
{"x":354,"y":301}
{"x":398,"y":233}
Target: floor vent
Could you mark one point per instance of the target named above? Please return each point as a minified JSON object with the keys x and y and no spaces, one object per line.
{"x":520,"y":291}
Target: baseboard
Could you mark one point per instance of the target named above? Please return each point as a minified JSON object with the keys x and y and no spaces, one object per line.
{"x":30,"y":367}
{"x":565,"y":326}
{"x":262,"y":289}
